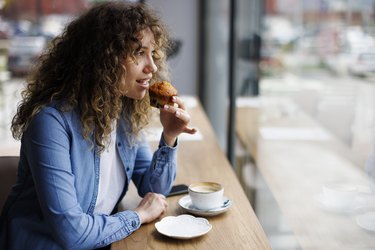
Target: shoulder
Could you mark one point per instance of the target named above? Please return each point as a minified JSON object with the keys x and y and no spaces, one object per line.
{"x":50,"y":112}
{"x":46,"y":126}
{"x":52,"y":115}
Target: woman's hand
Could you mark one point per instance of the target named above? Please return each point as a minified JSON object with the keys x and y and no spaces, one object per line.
{"x":151,"y":207}
{"x":175,"y":120}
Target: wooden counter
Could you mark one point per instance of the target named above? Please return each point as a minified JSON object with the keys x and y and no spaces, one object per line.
{"x":203,"y":160}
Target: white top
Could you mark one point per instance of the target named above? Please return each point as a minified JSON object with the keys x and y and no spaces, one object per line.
{"x":112,"y":177}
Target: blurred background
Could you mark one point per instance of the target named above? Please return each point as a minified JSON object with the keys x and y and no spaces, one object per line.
{"x":320,"y":53}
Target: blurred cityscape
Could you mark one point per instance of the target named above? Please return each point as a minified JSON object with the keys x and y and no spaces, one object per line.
{"x":322,"y":54}
{"x":337,"y":35}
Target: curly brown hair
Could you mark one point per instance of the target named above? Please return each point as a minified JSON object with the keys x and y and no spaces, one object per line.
{"x":82,"y":68}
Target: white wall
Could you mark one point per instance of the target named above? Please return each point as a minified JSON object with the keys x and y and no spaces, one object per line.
{"x":181,"y":16}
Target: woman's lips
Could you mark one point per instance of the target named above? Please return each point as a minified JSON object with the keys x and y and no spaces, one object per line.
{"x":143,"y":83}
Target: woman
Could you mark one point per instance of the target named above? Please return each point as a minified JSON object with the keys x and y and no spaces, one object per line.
{"x":80,"y":123}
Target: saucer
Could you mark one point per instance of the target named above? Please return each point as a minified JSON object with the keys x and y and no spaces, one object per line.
{"x":366,"y":221}
{"x":184,"y":226}
{"x":186,"y":204}
{"x":348,"y":207}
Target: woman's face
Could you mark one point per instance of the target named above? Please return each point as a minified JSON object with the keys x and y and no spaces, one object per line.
{"x":139,"y":71}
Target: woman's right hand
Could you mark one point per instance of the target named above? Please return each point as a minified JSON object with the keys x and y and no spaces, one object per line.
{"x":151,"y":207}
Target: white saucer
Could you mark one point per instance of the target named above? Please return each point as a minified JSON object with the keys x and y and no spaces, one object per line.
{"x":349,"y":207}
{"x":183,"y":226}
{"x":186,"y":204}
{"x":366,"y":221}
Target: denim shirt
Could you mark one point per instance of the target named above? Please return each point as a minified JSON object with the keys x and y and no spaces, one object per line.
{"x":51,"y":206}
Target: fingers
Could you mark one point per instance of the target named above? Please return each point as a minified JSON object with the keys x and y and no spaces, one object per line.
{"x":155,"y":196}
{"x":151,"y":207}
{"x":190,"y":130}
{"x":164,"y":203}
{"x":179,"y":101}
{"x":178,"y":112}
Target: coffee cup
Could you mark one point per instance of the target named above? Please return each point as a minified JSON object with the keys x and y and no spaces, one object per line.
{"x":206,"y":195}
{"x":339,"y":193}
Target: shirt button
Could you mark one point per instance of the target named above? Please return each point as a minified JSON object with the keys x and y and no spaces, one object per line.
{"x":134,"y":223}
{"x":127,"y":169}
{"x":119,"y":144}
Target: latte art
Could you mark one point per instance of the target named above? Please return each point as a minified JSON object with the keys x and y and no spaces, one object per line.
{"x":204,"y":189}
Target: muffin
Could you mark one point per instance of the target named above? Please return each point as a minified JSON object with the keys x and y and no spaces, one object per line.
{"x":161,"y":93}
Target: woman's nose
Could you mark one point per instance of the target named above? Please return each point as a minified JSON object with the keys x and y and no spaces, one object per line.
{"x":151,"y":66}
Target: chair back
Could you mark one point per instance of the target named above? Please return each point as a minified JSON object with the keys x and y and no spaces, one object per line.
{"x":8,"y":175}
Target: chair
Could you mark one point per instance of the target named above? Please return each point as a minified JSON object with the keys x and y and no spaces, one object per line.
{"x":8,"y":175}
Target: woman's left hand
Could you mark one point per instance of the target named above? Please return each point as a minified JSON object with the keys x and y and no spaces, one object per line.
{"x":175,"y":120}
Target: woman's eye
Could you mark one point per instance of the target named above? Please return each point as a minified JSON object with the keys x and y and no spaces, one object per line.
{"x":139,"y":53}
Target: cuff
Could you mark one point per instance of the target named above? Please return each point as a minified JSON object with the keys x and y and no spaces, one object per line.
{"x":162,"y":143}
{"x":131,"y":220}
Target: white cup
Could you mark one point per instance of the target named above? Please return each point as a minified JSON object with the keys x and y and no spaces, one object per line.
{"x":339,"y":193}
{"x":206,"y":195}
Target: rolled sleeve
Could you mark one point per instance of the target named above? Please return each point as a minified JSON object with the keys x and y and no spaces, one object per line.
{"x":159,"y":176}
{"x":162,"y":143}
